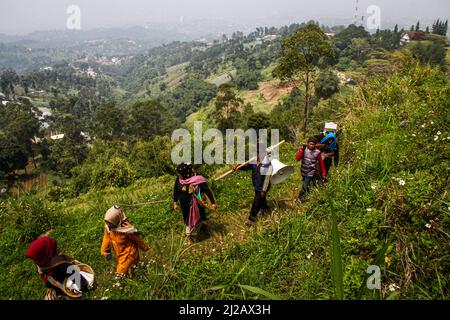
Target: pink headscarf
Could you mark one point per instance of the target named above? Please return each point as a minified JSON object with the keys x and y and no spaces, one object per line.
{"x":195,"y":180}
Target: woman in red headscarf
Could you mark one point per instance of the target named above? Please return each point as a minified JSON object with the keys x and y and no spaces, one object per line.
{"x":53,"y":268}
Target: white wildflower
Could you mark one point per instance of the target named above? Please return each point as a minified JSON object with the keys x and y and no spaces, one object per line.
{"x":428,"y":225}
{"x":310,"y":255}
{"x":438,"y":133}
{"x":423,"y":126}
{"x":373,"y":186}
{"x":413,"y":135}
{"x":105,"y":298}
{"x":436,"y":138}
{"x":401,"y":182}
{"x":369,"y":210}
{"x":431,"y":122}
{"x":261,"y":273}
{"x":393,"y":287}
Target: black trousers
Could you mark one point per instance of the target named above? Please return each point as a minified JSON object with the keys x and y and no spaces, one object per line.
{"x":327,"y":163}
{"x":259,"y":202}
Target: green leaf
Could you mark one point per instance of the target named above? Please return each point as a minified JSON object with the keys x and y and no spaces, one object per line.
{"x":218,"y":287}
{"x":393,"y":296}
{"x":260,"y":292}
{"x":336,"y":260}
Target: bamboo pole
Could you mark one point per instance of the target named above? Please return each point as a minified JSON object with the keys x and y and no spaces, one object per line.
{"x":247,"y":162}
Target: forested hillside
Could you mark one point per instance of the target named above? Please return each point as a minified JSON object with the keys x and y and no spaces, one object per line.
{"x":385,"y":204}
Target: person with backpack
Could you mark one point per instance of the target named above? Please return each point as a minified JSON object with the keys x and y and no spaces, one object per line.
{"x":57,"y":270}
{"x":124,"y":240}
{"x":194,"y":195}
{"x":312,"y":166}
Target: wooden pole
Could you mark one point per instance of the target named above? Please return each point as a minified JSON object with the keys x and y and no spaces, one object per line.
{"x":245,"y":163}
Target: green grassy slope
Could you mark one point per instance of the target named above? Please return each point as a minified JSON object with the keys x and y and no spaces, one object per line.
{"x":388,"y":200}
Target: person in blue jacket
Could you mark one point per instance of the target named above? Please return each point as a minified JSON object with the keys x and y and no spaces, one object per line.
{"x":330,"y":150}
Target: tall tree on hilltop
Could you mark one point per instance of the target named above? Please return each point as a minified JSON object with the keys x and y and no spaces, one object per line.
{"x":227,"y":108}
{"x":302,"y":55}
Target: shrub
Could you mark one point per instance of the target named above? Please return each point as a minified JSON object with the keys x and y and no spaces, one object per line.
{"x":117,"y":173}
{"x":31,"y":216}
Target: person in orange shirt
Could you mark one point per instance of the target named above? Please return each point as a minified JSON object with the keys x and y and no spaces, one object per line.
{"x":124,"y":239}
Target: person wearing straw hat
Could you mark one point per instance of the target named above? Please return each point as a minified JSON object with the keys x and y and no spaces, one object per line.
{"x":57,"y":270}
{"x":124,"y":240}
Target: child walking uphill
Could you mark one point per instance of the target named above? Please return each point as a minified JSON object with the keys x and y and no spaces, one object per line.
{"x":311,"y":159}
{"x":124,"y":239}
{"x":194,"y":194}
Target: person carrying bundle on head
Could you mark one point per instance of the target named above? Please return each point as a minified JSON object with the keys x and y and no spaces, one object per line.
{"x":330,"y":151}
{"x":194,"y":195}
{"x":124,"y":239}
{"x":64,"y":277}
{"x":312,"y":166}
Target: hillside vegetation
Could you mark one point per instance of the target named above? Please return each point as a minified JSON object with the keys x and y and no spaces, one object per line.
{"x":387,"y":204}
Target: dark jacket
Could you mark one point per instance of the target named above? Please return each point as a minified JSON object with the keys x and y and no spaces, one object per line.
{"x":260,"y":184}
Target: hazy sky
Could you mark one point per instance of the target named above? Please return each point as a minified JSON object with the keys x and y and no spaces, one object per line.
{"x":24,"y":16}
